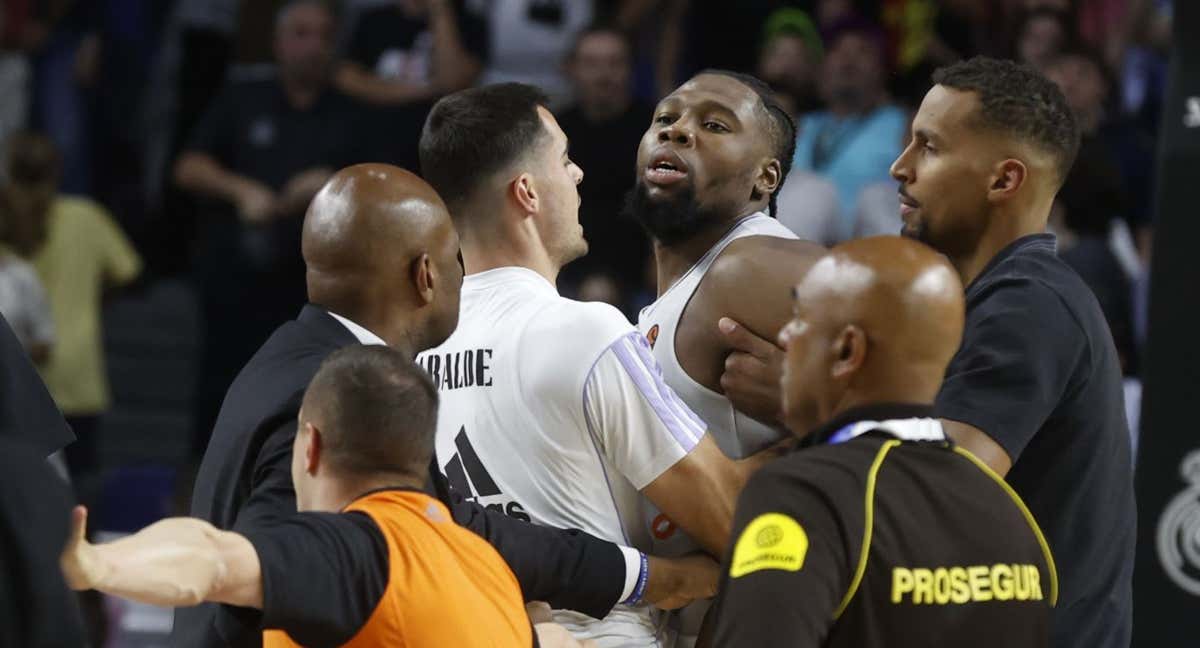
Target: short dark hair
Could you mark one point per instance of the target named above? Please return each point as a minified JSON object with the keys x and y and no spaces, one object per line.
{"x":378,"y":410}
{"x":330,"y":8}
{"x":1016,"y":100}
{"x":781,"y":128}
{"x":473,"y":133}
{"x":602,"y":27}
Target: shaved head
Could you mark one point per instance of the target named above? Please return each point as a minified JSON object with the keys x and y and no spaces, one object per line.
{"x":380,"y":249}
{"x":875,"y":320}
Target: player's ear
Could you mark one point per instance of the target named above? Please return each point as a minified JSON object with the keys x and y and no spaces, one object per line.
{"x":423,"y":277}
{"x":849,"y":352}
{"x":770,"y":176}
{"x":312,"y":448}
{"x":524,"y":193}
{"x":1007,"y":177}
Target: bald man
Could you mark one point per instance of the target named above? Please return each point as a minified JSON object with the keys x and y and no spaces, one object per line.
{"x":880,"y":531}
{"x":382,"y":268}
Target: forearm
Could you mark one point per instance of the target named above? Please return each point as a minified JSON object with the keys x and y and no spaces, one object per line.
{"x":171,"y":563}
{"x":454,"y":68}
{"x":200,"y":173}
{"x":359,"y":83}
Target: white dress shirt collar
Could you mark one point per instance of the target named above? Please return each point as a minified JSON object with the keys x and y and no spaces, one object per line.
{"x":364,"y":336}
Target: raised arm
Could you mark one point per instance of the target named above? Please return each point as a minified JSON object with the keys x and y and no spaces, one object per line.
{"x":172,"y":563}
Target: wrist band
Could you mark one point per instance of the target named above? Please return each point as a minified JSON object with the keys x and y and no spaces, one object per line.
{"x":640,"y":588}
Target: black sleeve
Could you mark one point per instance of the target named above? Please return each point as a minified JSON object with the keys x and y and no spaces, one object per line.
{"x":1021,"y":346}
{"x":788,"y":569}
{"x":323,"y":575}
{"x":568,"y":569}
{"x":272,"y":496}
{"x":27,"y":411}
{"x":215,"y":133}
{"x":36,"y":608}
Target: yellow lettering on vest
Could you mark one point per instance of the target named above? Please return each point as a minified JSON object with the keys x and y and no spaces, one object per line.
{"x":1002,"y":582}
{"x":902,"y":583}
{"x":979,"y":583}
{"x":960,"y":585}
{"x":923,"y":590}
{"x":1034,"y":582}
{"x":1021,"y":591}
{"x":941,"y":586}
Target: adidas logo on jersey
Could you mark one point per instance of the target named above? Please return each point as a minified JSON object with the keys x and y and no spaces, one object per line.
{"x":467,"y":475}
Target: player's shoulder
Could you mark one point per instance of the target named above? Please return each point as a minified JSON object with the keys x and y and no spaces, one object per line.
{"x":584,"y":327}
{"x":763,"y":258}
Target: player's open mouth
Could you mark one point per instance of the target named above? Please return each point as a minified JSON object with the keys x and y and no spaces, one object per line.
{"x":665,"y":168}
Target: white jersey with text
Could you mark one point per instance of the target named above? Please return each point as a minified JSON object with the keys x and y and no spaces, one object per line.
{"x":554,"y":411}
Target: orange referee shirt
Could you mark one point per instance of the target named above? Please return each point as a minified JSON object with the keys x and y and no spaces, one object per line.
{"x":445,"y":586}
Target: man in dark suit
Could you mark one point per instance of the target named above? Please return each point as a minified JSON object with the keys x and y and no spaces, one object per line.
{"x":382,"y":268}
{"x":27,"y":412}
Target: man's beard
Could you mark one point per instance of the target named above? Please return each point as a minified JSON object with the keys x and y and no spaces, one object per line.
{"x":669,"y":220}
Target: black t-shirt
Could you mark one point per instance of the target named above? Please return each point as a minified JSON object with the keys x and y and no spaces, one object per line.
{"x":951,"y":558}
{"x":251,"y":129}
{"x":36,"y":608}
{"x":393,"y":46}
{"x":606,"y":152}
{"x":1039,"y":374}
{"x":345,"y":573}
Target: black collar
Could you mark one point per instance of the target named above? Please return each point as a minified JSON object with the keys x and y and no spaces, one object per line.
{"x":1043,"y":240}
{"x":879,"y":412}
{"x":318,"y":319}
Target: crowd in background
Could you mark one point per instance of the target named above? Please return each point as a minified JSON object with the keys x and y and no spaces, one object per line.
{"x":149,"y":143}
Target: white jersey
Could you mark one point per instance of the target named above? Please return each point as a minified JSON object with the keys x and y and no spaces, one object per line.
{"x":554,"y":411}
{"x":735,"y":433}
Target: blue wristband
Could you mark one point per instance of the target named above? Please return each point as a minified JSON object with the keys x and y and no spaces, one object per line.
{"x":640,"y":588}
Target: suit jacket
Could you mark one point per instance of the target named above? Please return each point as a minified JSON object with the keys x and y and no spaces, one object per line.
{"x":245,"y":481}
{"x":27,"y":412}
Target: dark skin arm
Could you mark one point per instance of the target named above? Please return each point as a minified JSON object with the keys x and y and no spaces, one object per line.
{"x":750,"y":283}
{"x":751,"y":381}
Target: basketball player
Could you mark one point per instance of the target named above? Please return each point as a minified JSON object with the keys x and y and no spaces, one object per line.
{"x":370,"y":561}
{"x":554,"y":410}
{"x":708,"y":170}
{"x":882,"y":532}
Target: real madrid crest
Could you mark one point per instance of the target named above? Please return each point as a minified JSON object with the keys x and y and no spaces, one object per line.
{"x":1179,"y":530}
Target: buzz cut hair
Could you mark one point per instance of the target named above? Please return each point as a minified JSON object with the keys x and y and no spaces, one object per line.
{"x":376,"y":409}
{"x":1017,"y":101}
{"x":781,"y":128}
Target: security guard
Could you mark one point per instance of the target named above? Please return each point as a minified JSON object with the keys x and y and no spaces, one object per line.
{"x":880,"y":532}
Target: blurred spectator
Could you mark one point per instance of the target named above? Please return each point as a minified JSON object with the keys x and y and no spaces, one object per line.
{"x":854,"y":141}
{"x":604,"y":126}
{"x":1116,"y":158}
{"x":77,"y":251}
{"x":17,"y":32}
{"x":878,"y":211}
{"x":413,"y":51}
{"x":927,"y":34}
{"x":530,"y":39}
{"x":789,"y":59}
{"x":23,"y":303}
{"x":402,"y":56}
{"x":262,"y":150}
{"x":63,"y":58}
{"x":601,"y":287}
{"x":1041,"y":34}
{"x":808,"y":205}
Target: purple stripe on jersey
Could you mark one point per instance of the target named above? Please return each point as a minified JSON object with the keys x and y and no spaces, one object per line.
{"x":648,"y":359}
{"x":650,"y":384}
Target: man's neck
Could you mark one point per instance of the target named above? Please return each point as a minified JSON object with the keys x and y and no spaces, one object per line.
{"x":672,"y":261}
{"x":1005,"y":228}
{"x":336,"y":493}
{"x":398,"y":337}
{"x":494,"y":250}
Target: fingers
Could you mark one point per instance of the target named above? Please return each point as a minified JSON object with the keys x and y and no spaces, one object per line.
{"x":79,"y":524}
{"x":742,"y":339}
{"x":539,"y":612}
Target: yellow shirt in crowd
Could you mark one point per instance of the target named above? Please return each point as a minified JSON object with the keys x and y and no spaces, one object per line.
{"x":85,"y":251}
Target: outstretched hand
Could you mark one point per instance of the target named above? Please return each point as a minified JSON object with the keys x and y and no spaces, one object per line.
{"x":675,"y":582}
{"x":79,"y":563}
{"x":752,"y":372}
{"x":550,"y":634}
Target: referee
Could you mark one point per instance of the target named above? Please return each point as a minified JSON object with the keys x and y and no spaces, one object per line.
{"x":385,"y":566}
{"x":881,"y":532}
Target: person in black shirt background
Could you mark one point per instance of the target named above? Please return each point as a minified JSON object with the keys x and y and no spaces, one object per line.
{"x":262,"y":151}
{"x":881,"y":533}
{"x":402,"y":57}
{"x":1035,"y":390}
{"x":604,"y":125}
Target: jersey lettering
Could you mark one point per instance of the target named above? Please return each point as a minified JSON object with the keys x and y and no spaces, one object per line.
{"x":459,"y":369}
{"x":966,"y":584}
